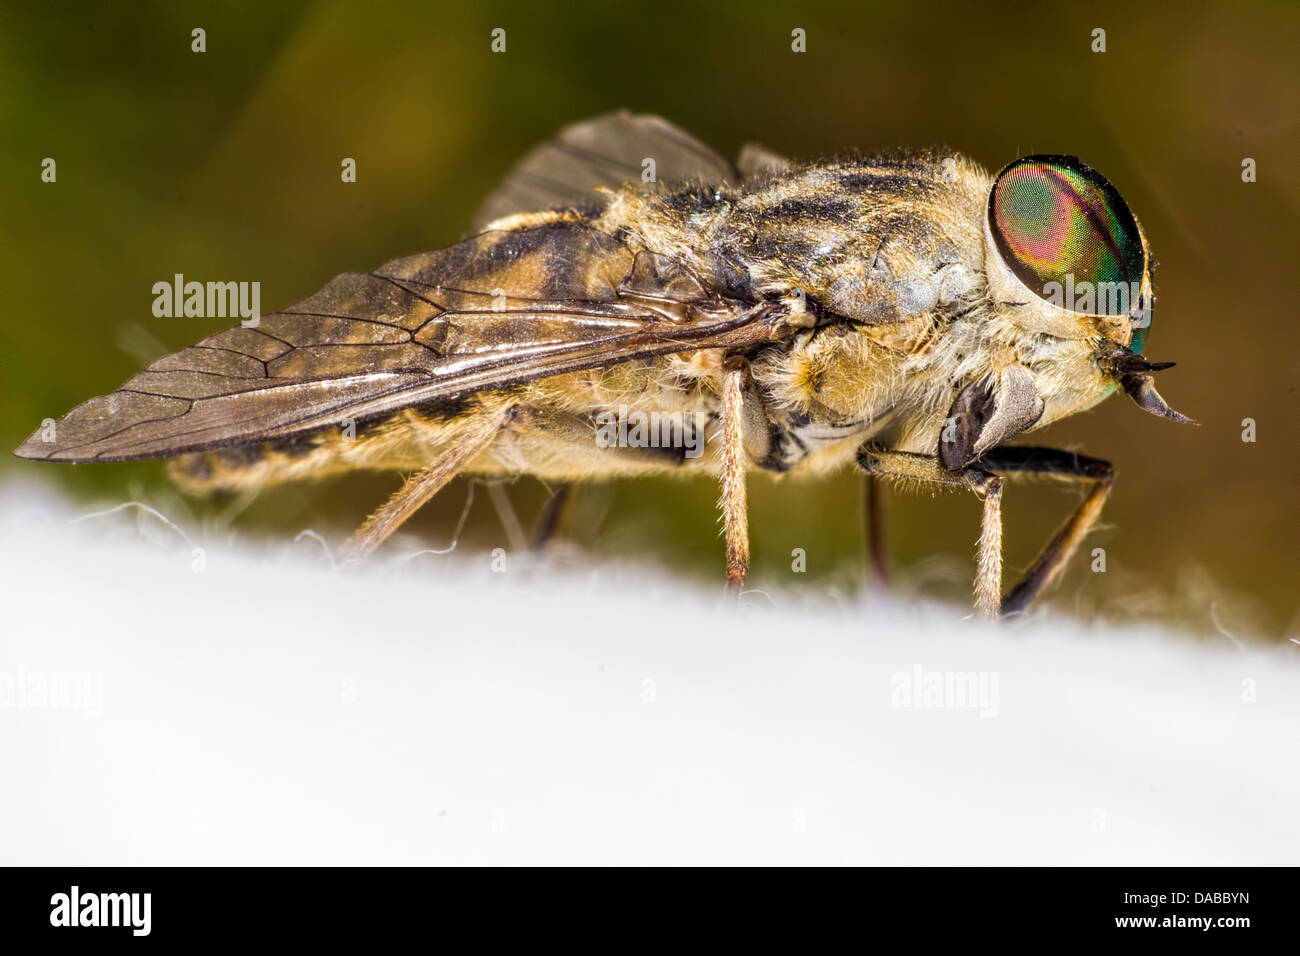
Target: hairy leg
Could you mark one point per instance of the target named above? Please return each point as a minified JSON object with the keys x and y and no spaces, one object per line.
{"x":735,"y":512}
{"x":1056,"y":555}
{"x":419,"y":488}
{"x":882,"y":463}
{"x":982,"y":478}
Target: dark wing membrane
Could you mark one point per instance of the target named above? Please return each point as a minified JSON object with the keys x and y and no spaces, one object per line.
{"x":607,"y":151}
{"x":496,"y":310}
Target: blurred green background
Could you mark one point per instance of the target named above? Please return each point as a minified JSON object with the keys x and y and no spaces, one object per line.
{"x":225,"y":165}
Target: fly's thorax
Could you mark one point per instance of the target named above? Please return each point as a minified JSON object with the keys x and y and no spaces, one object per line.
{"x":837,"y":386}
{"x":676,"y":224}
{"x":874,"y":241}
{"x":897,"y":383}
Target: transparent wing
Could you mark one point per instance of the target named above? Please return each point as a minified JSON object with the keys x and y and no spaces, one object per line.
{"x":496,"y":310}
{"x":607,"y":151}
{"x":757,"y":161}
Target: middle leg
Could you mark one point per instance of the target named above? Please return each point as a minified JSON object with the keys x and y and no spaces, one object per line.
{"x":735,"y":508}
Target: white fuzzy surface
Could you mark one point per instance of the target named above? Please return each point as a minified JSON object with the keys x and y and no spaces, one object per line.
{"x":270,"y":710}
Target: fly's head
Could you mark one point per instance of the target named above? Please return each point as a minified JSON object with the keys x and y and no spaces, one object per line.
{"x":1068,"y":267}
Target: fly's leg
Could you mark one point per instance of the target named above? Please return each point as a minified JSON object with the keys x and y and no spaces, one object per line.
{"x":873,"y":530}
{"x":419,"y":488}
{"x":508,"y":517}
{"x":735,"y":512}
{"x":1069,"y":467}
{"x":550,"y":517}
{"x":988,"y":559}
{"x":982,"y":478}
{"x":879,"y":463}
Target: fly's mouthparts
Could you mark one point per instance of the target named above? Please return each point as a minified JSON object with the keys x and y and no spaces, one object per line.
{"x":1133,"y":373}
{"x":1142,"y":389}
{"x":1122,"y":362}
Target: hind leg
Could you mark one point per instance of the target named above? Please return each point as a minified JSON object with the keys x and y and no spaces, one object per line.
{"x":549,"y":521}
{"x":419,"y":488}
{"x":873,"y":529}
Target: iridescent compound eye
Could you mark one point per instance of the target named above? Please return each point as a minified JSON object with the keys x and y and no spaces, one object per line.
{"x":1066,"y":233}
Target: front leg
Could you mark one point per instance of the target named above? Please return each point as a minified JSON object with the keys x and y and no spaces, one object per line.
{"x":981,"y":477}
{"x":1024,"y":460}
{"x":927,"y":469}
